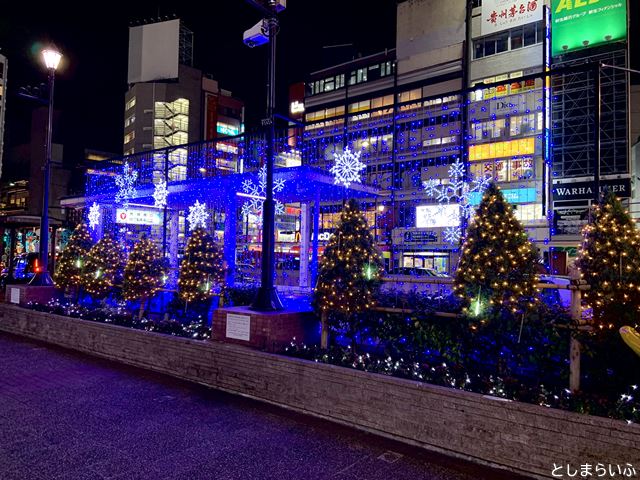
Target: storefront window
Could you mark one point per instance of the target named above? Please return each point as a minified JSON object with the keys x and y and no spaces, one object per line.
{"x":522,"y":169}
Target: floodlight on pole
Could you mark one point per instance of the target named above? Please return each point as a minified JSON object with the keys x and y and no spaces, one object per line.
{"x":51,"y":57}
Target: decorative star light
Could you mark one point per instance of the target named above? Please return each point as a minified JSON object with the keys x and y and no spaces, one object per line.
{"x":456,"y":191}
{"x":258,"y":193}
{"x":160,"y":195}
{"x":347,"y":166}
{"x":94,"y":215}
{"x":126,"y":185}
{"x":197,"y":215}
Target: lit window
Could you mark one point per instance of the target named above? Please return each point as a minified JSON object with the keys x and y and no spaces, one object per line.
{"x":130,"y":104}
{"x":129,"y":137}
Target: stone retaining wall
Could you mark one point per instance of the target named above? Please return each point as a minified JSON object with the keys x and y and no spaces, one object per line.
{"x":523,"y":438}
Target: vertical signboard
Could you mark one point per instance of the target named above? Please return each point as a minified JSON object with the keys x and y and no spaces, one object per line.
{"x":578,"y":24}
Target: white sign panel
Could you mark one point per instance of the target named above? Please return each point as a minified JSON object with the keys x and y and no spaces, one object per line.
{"x":432,"y":216}
{"x":15,"y":295}
{"x":136,"y":216}
{"x":238,"y":326}
{"x":498,"y":15}
{"x":153,"y":51}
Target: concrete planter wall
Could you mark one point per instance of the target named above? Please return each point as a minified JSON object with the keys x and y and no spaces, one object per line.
{"x":519,"y":437}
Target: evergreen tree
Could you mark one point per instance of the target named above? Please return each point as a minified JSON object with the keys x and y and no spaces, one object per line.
{"x":68,"y":273}
{"x":201,"y":267}
{"x":103,"y":267}
{"x":350,"y":271}
{"x":144,"y":272}
{"x":497,"y":267}
{"x":609,"y":260}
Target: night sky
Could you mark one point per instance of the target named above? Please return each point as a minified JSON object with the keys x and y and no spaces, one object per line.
{"x":94,"y":39}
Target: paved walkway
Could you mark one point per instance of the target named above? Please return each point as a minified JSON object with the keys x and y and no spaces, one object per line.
{"x":64,"y":415}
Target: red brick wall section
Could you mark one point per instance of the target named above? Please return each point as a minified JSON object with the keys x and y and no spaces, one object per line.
{"x":270,"y":331}
{"x":523,"y":438}
{"x":27,"y":293}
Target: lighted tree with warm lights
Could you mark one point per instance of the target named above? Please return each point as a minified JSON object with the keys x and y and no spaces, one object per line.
{"x":609,"y":261}
{"x":70,"y":262}
{"x":497,"y":267}
{"x":103,"y":267}
{"x":350,"y":272}
{"x":201,"y":267}
{"x":144,"y":273}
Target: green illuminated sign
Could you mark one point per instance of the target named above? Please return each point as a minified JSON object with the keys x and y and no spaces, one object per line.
{"x":577,"y":24}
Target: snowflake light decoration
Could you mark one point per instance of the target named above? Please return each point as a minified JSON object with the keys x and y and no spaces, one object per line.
{"x":94,"y":215}
{"x":197,"y":215}
{"x":347,"y":166}
{"x":126,"y":185}
{"x":456,"y":191}
{"x":160,"y":195}
{"x":258,"y":193}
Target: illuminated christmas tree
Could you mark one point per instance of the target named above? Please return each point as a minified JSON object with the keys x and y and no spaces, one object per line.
{"x":349,"y":273}
{"x":144,"y":273}
{"x":609,"y":260}
{"x":103,"y":267}
{"x":497,"y":267}
{"x":68,"y":273}
{"x":201,"y":267}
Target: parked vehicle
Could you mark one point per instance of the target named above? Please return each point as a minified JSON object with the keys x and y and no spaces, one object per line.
{"x":556,"y":296}
{"x":417,"y":272}
{"x":24,"y":267}
{"x":246,"y":273}
{"x":403,"y":279}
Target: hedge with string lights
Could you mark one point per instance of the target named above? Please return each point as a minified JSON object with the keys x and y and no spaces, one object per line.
{"x":609,"y":260}
{"x":144,"y":273}
{"x":201,"y":267}
{"x":104,"y":267}
{"x":350,"y":271}
{"x":497,"y":267}
{"x":70,"y":263}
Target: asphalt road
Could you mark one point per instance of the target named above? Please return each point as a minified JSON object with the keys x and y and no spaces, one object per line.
{"x":64,"y":415}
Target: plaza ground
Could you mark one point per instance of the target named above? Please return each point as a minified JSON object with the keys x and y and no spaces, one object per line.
{"x":65,"y":415}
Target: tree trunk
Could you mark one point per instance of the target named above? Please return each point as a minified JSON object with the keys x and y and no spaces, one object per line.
{"x":324,"y":335}
{"x":143,"y":301}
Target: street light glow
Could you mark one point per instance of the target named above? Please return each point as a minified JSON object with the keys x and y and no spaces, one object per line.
{"x":51,"y":58}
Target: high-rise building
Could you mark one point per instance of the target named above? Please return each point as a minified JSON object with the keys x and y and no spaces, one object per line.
{"x":169,"y":102}
{"x":466,"y":84}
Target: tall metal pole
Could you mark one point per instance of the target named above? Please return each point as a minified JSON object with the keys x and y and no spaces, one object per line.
{"x":267,"y":298}
{"x":42,"y":277}
{"x":598,"y":122}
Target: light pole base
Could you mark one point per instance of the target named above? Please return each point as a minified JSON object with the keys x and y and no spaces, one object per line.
{"x":41,"y":279}
{"x":267,"y":300}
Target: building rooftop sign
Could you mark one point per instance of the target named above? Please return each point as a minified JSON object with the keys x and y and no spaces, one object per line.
{"x":578,"y":24}
{"x":498,"y":15}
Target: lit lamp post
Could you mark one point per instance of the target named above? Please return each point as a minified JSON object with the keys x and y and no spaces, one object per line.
{"x":41,"y":278}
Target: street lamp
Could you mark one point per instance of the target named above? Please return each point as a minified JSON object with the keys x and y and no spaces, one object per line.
{"x":267,"y":298}
{"x":52,"y":59}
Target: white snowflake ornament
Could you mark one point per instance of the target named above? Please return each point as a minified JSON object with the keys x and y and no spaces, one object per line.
{"x":347,"y":167}
{"x":197,"y":215}
{"x":126,"y":185}
{"x":160,"y":195}
{"x":456,"y":191}
{"x":94,"y":215}
{"x":258,"y":192}
{"x":452,"y":235}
